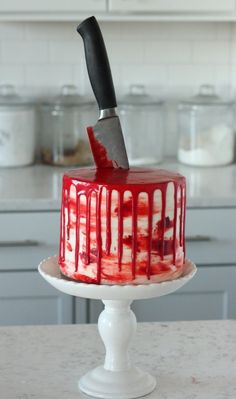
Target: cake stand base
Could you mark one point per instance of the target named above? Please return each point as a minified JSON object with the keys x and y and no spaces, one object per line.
{"x":107,"y":384}
{"x":118,"y":378}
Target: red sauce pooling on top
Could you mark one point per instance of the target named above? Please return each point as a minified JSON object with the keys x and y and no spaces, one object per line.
{"x":91,"y":181}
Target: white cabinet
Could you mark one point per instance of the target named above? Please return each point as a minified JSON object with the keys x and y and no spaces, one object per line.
{"x":171,"y":6}
{"x":26,"y":238}
{"x":211,"y":236}
{"x":210,"y":295}
{"x":119,"y":10}
{"x":25,"y":298}
{"x":81,"y":310}
{"x":52,"y":6}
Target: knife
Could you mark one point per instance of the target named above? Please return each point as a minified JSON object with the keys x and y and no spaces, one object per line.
{"x":106,"y":137}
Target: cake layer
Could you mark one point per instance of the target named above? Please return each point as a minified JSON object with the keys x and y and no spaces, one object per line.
{"x":122,"y":226}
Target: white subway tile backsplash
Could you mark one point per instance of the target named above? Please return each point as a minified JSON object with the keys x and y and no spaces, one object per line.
{"x":135,"y":30}
{"x":222,"y":75}
{"x":224,"y":30}
{"x":190,"y":75}
{"x":66,"y":52}
{"x":12,"y":74}
{"x":172,"y":59}
{"x":80,"y":79}
{"x":11,"y":31}
{"x":233,"y":52}
{"x":182,"y":53}
{"x":165,"y":52}
{"x":22,"y":52}
{"x":48,"y":75}
{"x":112,"y":30}
{"x":144,"y":31}
{"x":192,"y":30}
{"x":50,"y":30}
{"x":150,"y":76}
{"x":125,"y":52}
{"x":233,"y":36}
{"x":208,"y":52}
{"x":233,"y":76}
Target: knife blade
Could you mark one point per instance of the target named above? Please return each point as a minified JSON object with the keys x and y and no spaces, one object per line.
{"x":106,"y":137}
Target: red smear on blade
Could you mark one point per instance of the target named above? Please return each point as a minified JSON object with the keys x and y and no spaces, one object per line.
{"x":99,"y":151}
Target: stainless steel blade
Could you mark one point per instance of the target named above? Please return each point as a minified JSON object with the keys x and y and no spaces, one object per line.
{"x":109,"y":133}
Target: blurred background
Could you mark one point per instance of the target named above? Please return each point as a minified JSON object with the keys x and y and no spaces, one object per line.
{"x":174,"y":70}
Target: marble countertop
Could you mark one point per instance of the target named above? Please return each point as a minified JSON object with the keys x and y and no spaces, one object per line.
{"x":37,"y":188}
{"x":191,"y":360}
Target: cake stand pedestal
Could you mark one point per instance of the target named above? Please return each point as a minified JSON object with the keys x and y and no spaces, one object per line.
{"x":117,"y":378}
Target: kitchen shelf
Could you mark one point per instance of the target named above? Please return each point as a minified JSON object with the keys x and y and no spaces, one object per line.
{"x":110,"y":17}
{"x":118,"y":10}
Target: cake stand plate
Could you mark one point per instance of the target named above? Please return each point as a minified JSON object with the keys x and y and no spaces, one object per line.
{"x":117,"y":378}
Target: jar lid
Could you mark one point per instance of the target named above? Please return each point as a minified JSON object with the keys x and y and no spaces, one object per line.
{"x":137,"y":96}
{"x":206,"y":96}
{"x":68,"y":96}
{"x":9,"y":97}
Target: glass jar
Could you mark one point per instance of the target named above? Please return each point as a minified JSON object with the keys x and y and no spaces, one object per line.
{"x":206,"y":136}
{"x":142,"y":125}
{"x":64,"y":119}
{"x":17,"y":128}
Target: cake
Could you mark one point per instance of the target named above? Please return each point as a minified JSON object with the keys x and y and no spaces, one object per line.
{"x":122,"y":226}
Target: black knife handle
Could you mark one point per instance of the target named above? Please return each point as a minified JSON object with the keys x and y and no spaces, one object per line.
{"x":97,"y":63}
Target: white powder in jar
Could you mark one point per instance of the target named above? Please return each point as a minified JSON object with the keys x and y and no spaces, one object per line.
{"x":215,"y":146}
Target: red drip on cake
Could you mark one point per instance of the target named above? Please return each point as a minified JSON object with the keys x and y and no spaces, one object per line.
{"x":150,"y":212}
{"x":150,"y":242}
{"x":163,"y":219}
{"x":108,"y":217}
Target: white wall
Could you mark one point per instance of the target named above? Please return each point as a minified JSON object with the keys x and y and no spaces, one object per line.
{"x":170,"y":58}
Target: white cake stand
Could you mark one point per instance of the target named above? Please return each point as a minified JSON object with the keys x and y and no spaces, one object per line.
{"x":117,"y":378}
